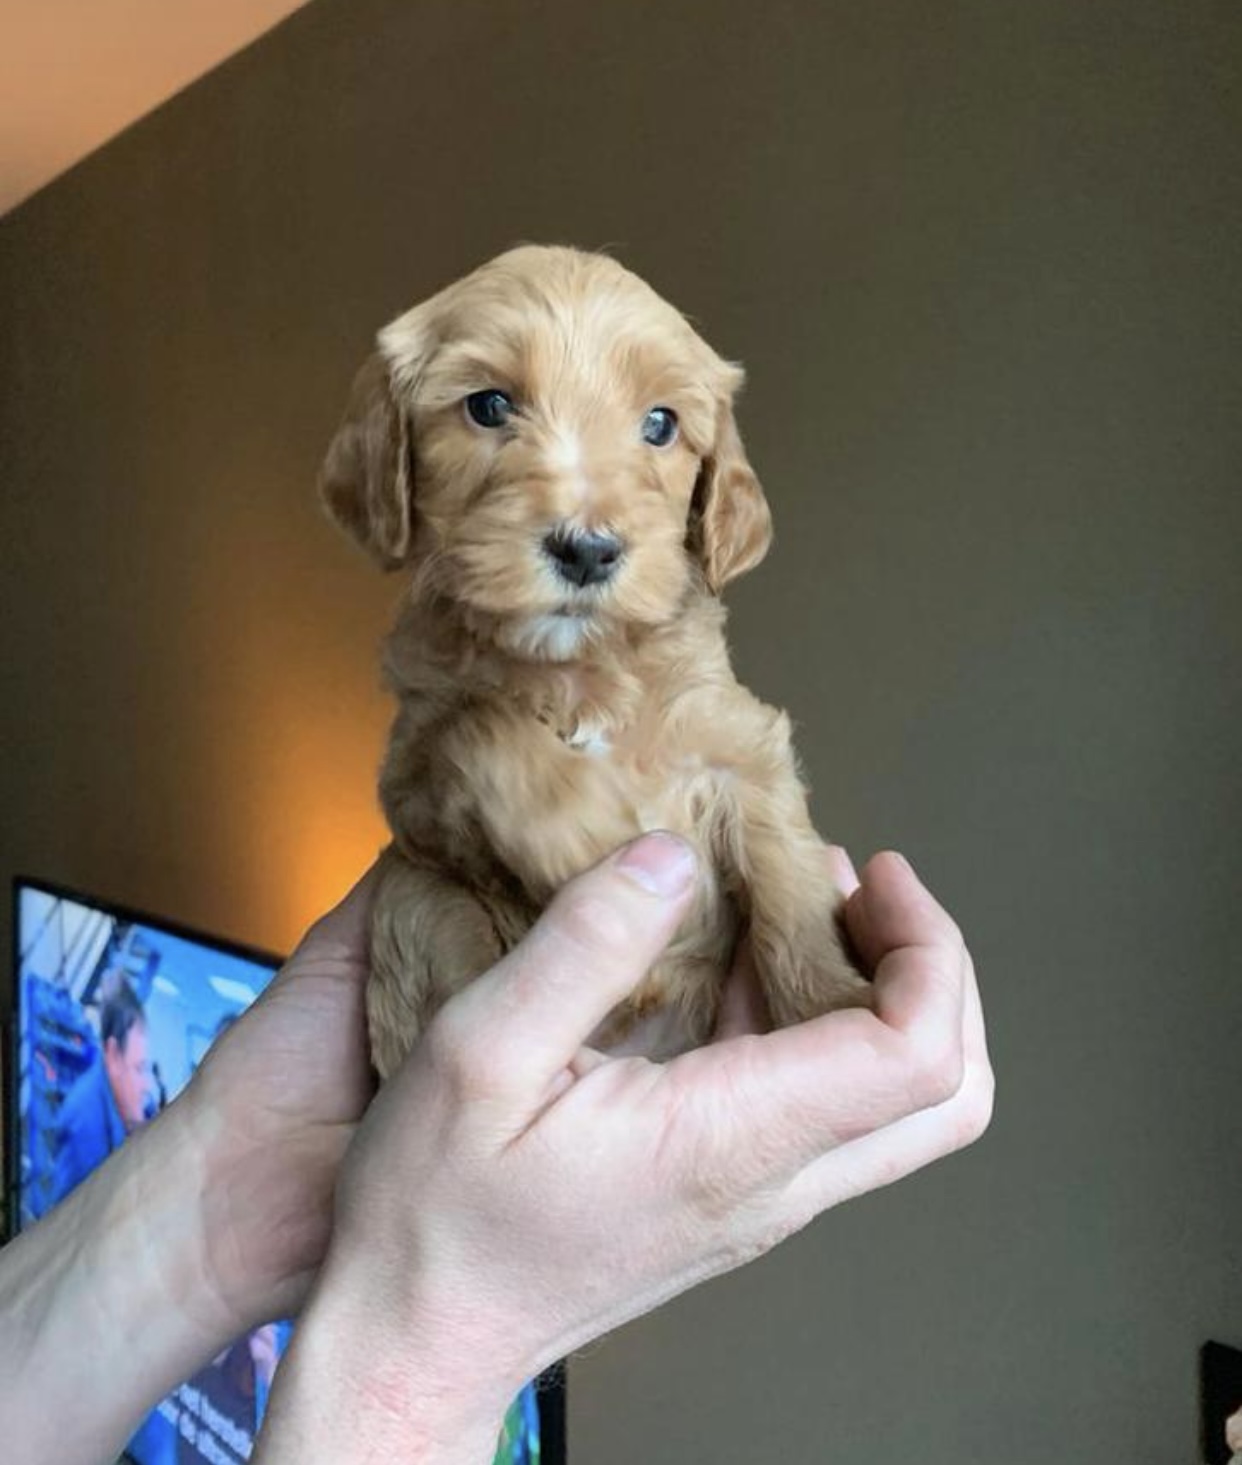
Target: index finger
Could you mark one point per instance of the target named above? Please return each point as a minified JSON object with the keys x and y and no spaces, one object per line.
{"x":915,"y":1140}
{"x":892,"y":914}
{"x":807,"y":1089}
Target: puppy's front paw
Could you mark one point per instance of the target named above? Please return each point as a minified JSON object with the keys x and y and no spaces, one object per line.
{"x":806,"y":969}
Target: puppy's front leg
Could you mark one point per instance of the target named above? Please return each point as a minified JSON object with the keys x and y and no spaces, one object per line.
{"x":429,"y":937}
{"x":795,"y":932}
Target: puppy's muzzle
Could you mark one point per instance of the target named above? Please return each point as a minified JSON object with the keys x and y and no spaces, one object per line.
{"x":582,"y":557}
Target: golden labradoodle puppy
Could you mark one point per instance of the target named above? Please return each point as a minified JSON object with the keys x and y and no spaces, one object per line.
{"x":547,"y":449}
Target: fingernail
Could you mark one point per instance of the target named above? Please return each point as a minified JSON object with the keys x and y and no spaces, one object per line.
{"x":661,"y":863}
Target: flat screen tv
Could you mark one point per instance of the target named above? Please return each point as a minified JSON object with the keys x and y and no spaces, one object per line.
{"x":113,"y":1013}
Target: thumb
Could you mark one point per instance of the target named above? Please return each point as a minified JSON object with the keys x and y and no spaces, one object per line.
{"x":342,"y":936}
{"x":530,"y":1014}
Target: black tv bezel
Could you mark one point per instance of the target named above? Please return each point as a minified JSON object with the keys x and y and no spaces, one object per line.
{"x":551,"y":1384}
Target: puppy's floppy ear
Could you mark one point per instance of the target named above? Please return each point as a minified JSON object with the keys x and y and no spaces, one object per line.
{"x":731,"y":525}
{"x":367,"y":479}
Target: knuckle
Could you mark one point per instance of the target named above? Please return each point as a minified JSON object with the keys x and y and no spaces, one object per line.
{"x":707,"y":1188}
{"x":952,"y":934}
{"x":938,"y":1071}
{"x":778,"y":1227}
{"x":977,"y":1102}
{"x":743,"y":1247}
{"x":711,"y":1195}
{"x":457,"y":1058}
{"x":760,"y":1229}
{"x":709,"y":1182}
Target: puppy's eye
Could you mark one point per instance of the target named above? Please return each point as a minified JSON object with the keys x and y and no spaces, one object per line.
{"x":490,"y":408}
{"x":660,"y":427}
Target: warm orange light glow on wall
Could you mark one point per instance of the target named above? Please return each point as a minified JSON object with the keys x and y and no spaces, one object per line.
{"x":285,"y":762}
{"x":312,"y":819}
{"x":332,"y":842}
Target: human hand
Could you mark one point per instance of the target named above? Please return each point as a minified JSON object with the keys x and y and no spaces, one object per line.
{"x":272,"y":1109}
{"x":743,"y":1006}
{"x":513,"y":1194}
{"x":226,"y":1199}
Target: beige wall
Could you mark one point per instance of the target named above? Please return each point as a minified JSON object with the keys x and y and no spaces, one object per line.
{"x":983,"y":262}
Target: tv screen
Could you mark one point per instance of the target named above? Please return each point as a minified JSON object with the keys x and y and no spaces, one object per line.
{"x":114,"y":1012}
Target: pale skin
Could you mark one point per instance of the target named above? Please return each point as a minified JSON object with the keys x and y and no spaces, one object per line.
{"x":510,"y":1195}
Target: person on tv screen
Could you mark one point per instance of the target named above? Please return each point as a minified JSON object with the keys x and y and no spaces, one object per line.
{"x":509,"y":1195}
{"x":109,"y":1101}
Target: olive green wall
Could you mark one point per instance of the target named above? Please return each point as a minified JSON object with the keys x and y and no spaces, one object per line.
{"x":984,"y":264}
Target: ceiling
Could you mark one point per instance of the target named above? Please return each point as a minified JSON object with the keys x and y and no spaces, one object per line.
{"x":74,"y":73}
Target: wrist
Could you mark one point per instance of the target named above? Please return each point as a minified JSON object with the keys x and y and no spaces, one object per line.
{"x":267,"y":1195}
{"x":118,"y":1265}
{"x":376,"y":1374}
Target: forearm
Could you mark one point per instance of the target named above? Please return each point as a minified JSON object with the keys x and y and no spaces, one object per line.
{"x":357,"y":1387}
{"x":104,"y":1305}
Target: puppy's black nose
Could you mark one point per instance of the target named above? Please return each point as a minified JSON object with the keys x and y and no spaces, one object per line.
{"x":583,"y":558}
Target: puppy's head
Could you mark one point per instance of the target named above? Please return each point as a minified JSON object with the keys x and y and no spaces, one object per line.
{"x":551,"y":447}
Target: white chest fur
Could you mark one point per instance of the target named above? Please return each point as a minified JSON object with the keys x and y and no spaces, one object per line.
{"x":591,"y":738}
